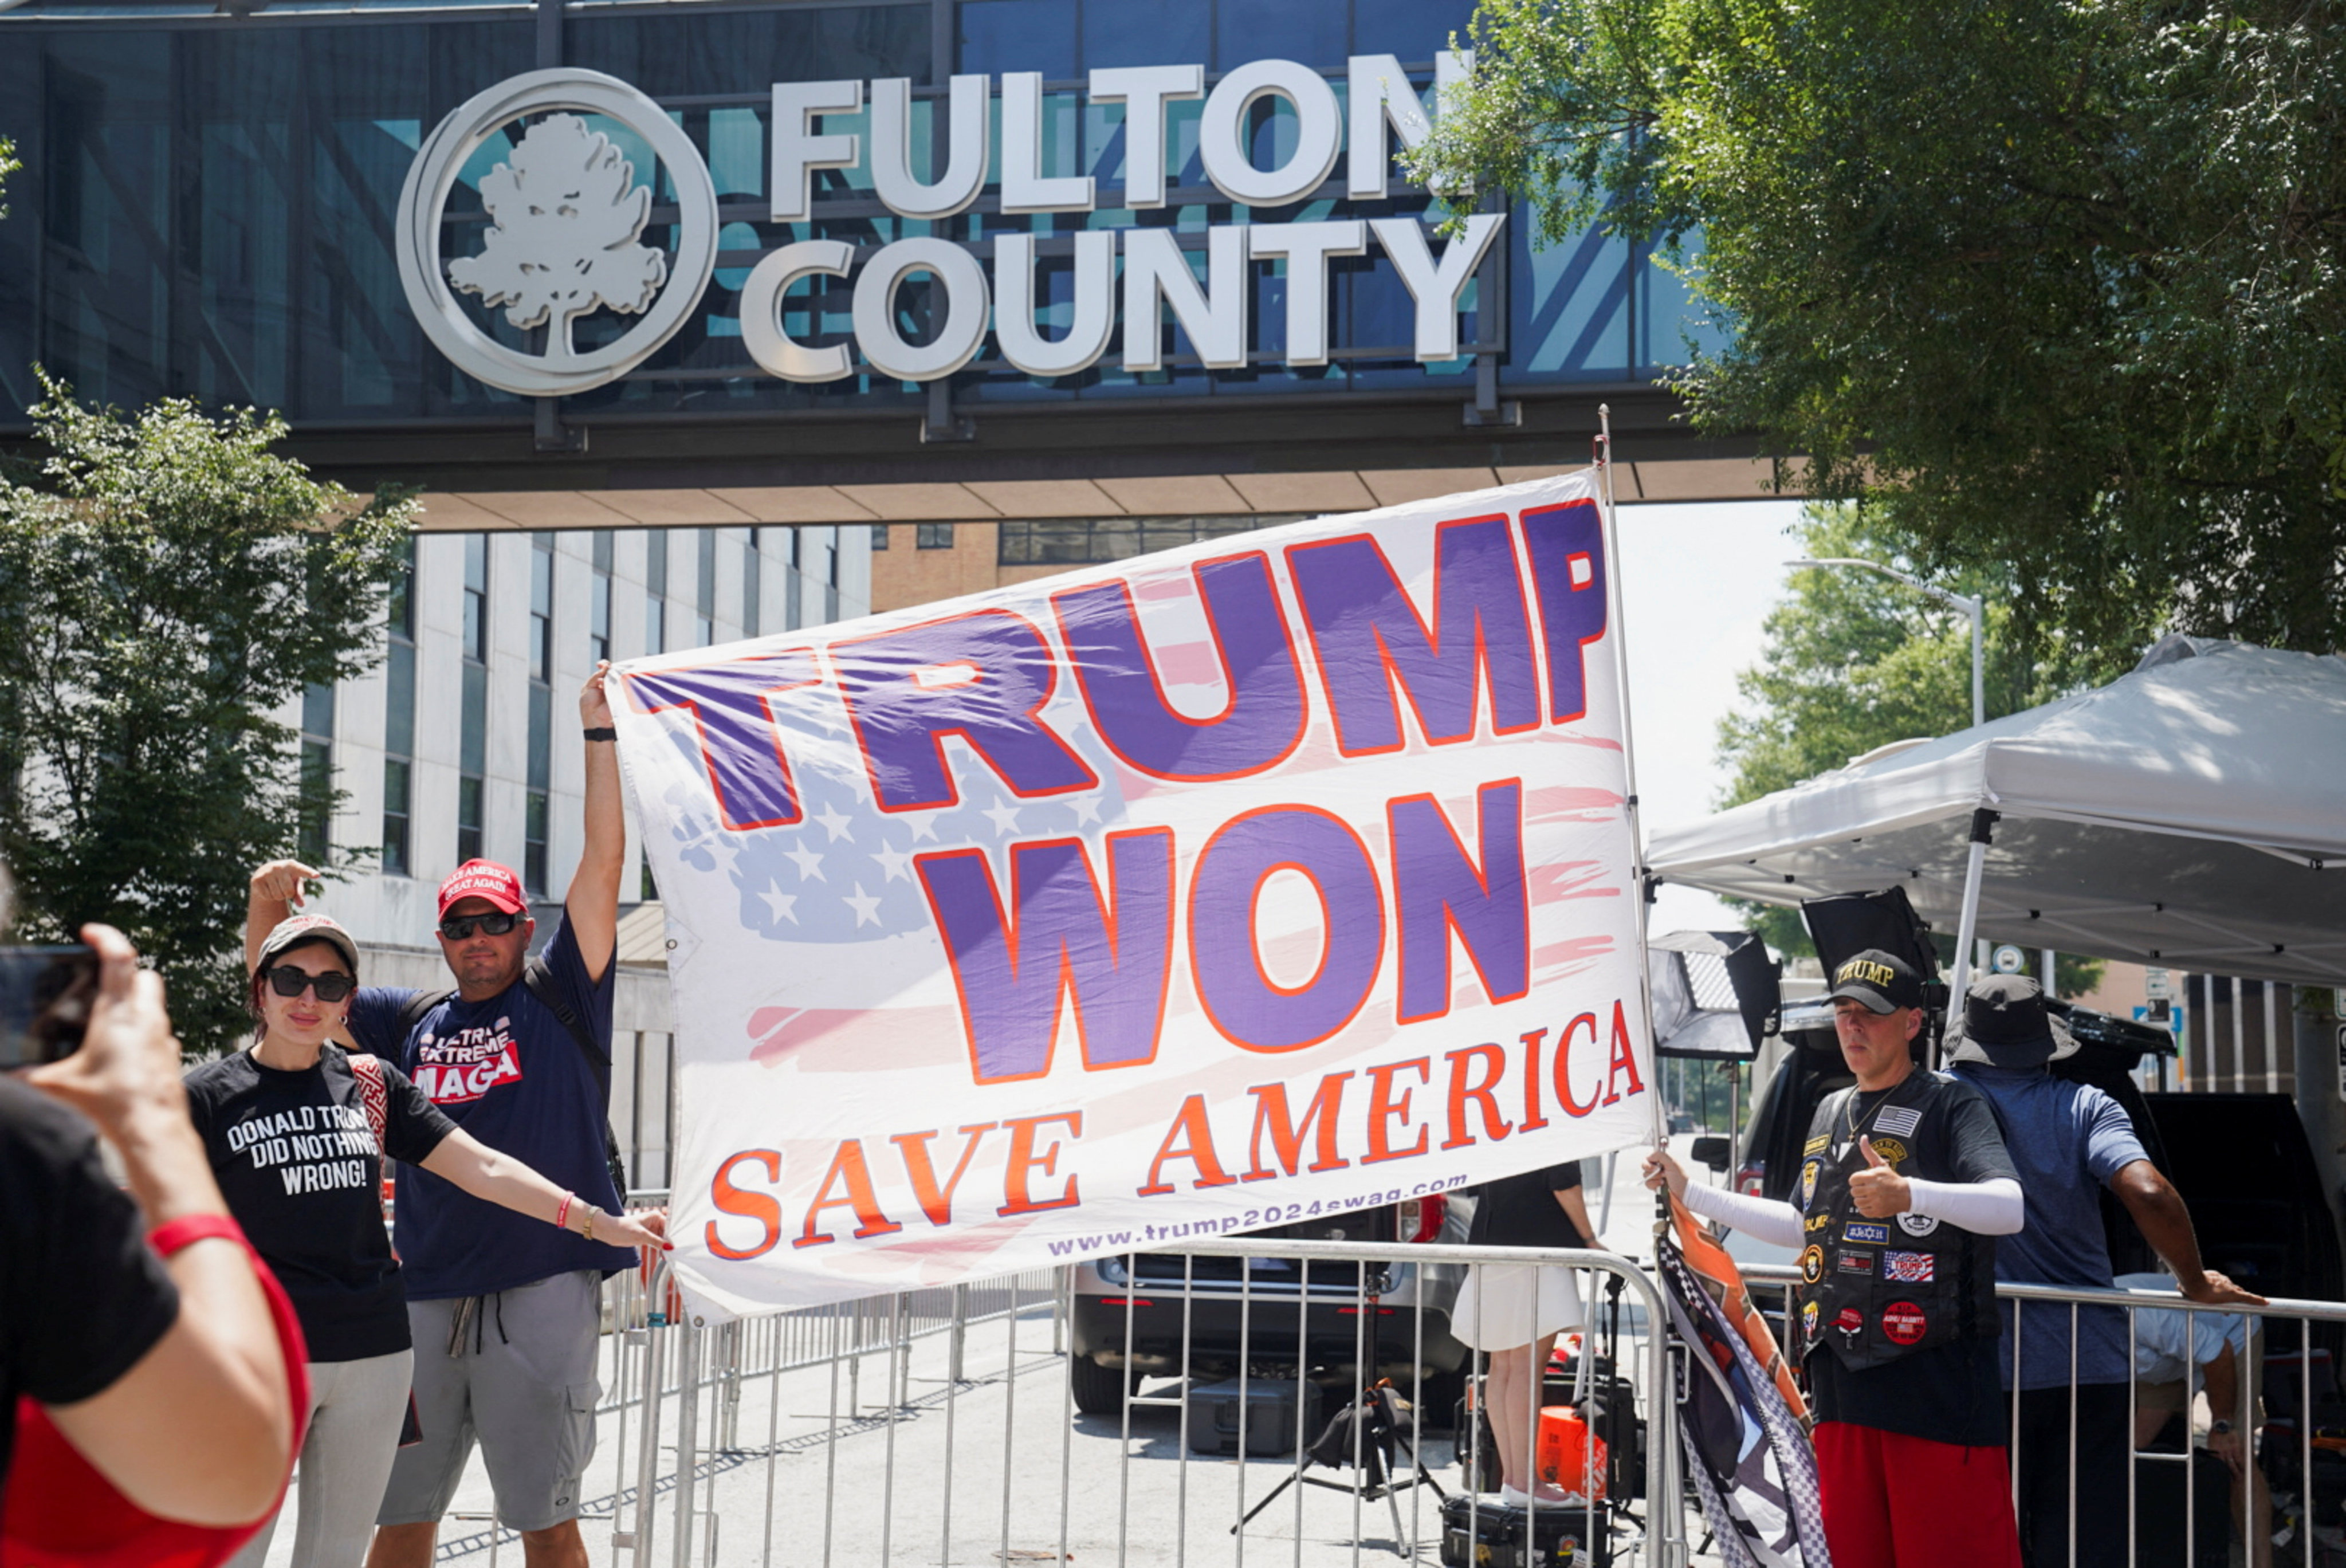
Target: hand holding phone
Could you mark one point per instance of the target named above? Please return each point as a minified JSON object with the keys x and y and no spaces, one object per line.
{"x":45,"y":995}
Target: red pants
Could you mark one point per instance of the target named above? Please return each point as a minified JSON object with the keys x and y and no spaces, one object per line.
{"x":1898,"y":1502}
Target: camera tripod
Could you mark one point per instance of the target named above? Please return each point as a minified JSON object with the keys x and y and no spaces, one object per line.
{"x":1361,"y":1437}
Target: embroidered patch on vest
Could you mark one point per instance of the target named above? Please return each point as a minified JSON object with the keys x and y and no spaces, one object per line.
{"x":1903,"y":1322}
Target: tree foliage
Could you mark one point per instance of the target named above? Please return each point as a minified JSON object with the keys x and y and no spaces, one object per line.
{"x":167,"y":583}
{"x":1855,"y":661}
{"x":2056,"y":286}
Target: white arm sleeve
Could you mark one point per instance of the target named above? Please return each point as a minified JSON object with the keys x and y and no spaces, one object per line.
{"x":1983,"y":1207}
{"x":1777,"y":1224}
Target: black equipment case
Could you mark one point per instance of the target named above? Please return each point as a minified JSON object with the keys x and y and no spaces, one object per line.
{"x":1273,"y":1424}
{"x":1480,"y":1532}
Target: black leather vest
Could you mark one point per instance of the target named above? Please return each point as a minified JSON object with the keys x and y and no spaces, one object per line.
{"x":1876,"y":1289}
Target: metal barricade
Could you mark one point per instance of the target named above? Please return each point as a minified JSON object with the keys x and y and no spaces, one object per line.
{"x":948,"y":1427}
{"x":2285,"y":1372}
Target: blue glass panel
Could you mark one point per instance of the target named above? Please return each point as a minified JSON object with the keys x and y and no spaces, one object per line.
{"x":747,"y":51}
{"x":1150,"y":32}
{"x":1673,"y":326}
{"x":1411,"y":29}
{"x":1571,"y":307}
{"x":1309,"y":31}
{"x":106,"y":148}
{"x":20,"y":101}
{"x":1019,"y":35}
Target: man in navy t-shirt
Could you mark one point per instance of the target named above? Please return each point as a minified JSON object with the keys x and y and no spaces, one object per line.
{"x":2069,"y":1141}
{"x":505,"y":1309}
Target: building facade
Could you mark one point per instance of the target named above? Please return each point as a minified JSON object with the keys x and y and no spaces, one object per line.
{"x":696,"y":319}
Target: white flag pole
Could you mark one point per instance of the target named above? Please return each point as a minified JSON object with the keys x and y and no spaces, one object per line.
{"x":1628,"y":745}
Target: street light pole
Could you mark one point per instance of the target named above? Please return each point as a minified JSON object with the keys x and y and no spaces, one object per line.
{"x":1975,"y":607}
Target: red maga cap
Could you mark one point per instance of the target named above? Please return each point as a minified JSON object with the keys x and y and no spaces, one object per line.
{"x":484,"y":879}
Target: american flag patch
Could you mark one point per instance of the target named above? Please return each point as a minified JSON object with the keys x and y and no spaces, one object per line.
{"x":1898,"y":1121}
{"x":1909,"y":1267}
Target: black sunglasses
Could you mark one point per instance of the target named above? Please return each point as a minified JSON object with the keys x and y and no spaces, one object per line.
{"x":456,"y":928}
{"x":331,"y":986}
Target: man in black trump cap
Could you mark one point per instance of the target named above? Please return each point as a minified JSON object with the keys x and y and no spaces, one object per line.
{"x":1904,"y":1187}
{"x":2069,"y":1140}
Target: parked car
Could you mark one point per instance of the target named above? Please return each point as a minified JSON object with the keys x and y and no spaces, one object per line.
{"x":1271,"y":1316}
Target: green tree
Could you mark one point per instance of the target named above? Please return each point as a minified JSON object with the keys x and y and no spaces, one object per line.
{"x":1855,"y":661}
{"x":168,"y":584}
{"x":2058,"y":287}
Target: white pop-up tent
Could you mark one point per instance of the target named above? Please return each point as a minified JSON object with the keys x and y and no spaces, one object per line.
{"x":2191,"y":813}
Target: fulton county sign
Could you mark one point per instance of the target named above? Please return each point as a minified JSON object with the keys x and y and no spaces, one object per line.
{"x":567,"y":213}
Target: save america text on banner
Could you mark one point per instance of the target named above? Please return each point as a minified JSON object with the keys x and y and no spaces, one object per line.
{"x":1282,"y":874}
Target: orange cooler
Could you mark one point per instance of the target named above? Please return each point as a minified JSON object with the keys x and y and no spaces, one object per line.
{"x":1562,"y":1456}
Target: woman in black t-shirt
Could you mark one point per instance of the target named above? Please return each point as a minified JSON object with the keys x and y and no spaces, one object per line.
{"x":298,"y":1155}
{"x":1515,"y":1312}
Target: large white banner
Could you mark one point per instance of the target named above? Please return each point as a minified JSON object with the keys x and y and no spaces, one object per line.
{"x":1276,"y":875}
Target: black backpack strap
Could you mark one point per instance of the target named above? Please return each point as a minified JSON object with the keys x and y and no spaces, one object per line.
{"x":539,"y":982}
{"x":419,"y":1003}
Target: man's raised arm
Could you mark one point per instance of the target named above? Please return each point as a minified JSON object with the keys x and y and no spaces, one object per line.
{"x":592,"y":905}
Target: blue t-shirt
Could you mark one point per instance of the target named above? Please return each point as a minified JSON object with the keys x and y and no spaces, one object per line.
{"x":2067,"y":1139}
{"x":509,"y":1074}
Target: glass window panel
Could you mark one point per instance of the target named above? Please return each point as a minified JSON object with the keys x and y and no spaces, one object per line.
{"x":1571,"y":307}
{"x":473,"y":745}
{"x":107,"y":155}
{"x":317,"y":801}
{"x":534,"y":814}
{"x":1026,"y":36}
{"x":399,"y":714}
{"x":879,"y":535}
{"x":21,"y":72}
{"x":318,"y":709}
{"x":1152,"y":32}
{"x":1412,"y":30}
{"x":541,"y":736}
{"x":394,"y":818}
{"x":469,"y":792}
{"x":753,"y":573}
{"x":1311,"y":35}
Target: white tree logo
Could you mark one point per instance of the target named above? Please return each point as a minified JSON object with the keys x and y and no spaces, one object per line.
{"x":567,"y":214}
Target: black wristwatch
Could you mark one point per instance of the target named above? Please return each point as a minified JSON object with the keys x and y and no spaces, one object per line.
{"x":2218,"y":1427}
{"x":605,"y":733}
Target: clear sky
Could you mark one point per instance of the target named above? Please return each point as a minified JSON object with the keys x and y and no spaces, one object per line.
{"x":1696,"y":584}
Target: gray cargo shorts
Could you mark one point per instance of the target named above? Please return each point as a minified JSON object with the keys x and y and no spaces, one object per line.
{"x":516,"y":1370}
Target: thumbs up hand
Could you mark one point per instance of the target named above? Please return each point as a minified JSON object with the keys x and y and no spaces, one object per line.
{"x":1878,"y":1190}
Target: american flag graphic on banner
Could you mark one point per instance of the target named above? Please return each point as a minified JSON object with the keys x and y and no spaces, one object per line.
{"x":1286,"y":873}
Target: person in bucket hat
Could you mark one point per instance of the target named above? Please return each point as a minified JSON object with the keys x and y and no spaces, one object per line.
{"x":505,"y":1311}
{"x":2070,"y":1141}
{"x":298,"y":1132}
